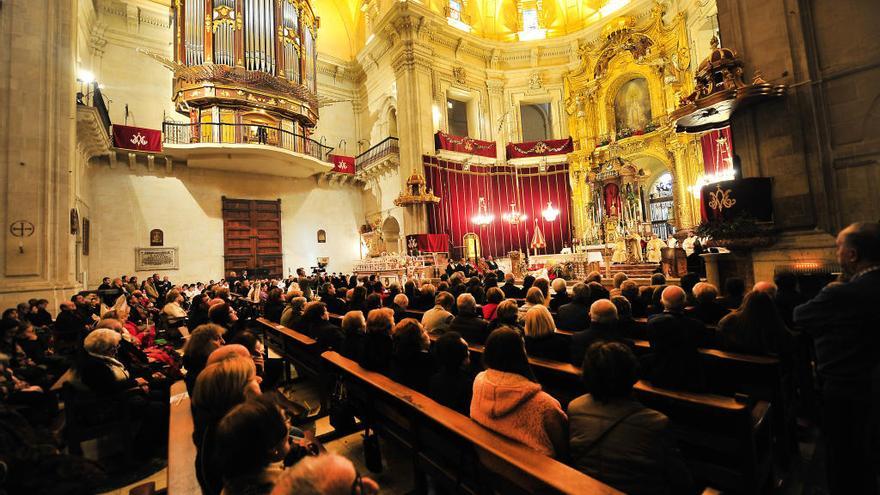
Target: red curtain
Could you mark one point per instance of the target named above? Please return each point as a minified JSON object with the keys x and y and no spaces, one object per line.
{"x":713,"y":158}
{"x":529,"y":189}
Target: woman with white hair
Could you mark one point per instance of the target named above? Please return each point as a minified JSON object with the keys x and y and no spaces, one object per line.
{"x":103,"y":374}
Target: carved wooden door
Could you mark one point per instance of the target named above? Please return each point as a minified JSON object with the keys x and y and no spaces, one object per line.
{"x":252,"y":237}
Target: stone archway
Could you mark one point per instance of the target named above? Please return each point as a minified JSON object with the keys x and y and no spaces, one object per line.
{"x":391,"y":234}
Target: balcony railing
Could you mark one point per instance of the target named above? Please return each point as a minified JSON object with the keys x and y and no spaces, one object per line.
{"x":223,"y":133}
{"x":388,"y":146}
{"x":89,"y":95}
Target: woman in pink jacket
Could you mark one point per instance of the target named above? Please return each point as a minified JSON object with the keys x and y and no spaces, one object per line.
{"x":508,"y":400}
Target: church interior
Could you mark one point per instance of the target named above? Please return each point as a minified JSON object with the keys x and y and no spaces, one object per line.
{"x":440,"y":246}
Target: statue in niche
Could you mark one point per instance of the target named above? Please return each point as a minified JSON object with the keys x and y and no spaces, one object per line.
{"x":632,"y":107}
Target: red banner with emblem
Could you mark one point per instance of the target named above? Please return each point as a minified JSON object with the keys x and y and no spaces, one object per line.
{"x":464,"y":144}
{"x":540,"y":148}
{"x":342,"y":164}
{"x":137,"y":138}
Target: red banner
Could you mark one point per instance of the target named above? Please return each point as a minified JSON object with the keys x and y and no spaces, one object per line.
{"x":342,"y":164}
{"x":137,"y":138}
{"x":539,"y":148}
{"x":464,"y":144}
{"x":427,"y":243}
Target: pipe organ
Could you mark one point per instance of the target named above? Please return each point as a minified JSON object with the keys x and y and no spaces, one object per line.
{"x":246,"y":62}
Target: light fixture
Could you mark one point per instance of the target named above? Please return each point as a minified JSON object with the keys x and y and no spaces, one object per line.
{"x":707,"y":179}
{"x":550,"y":213}
{"x":85,"y":76}
{"x":483,"y":217}
{"x":514,"y":217}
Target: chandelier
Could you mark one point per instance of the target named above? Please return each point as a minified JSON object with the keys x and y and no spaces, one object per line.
{"x":550,"y":213}
{"x":483,"y":217}
{"x":513,"y":217}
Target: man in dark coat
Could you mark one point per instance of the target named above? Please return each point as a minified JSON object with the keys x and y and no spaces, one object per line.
{"x":576,"y":314}
{"x":511,"y":291}
{"x":843,"y":320}
{"x":603,"y":327}
{"x":467,"y":323}
{"x":675,"y":339}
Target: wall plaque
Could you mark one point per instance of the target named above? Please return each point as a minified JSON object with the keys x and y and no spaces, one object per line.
{"x":149,"y":259}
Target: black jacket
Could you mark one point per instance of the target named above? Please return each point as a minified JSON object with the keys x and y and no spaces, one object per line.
{"x":573,"y":316}
{"x":97,"y":375}
{"x":511,"y":291}
{"x":553,"y":347}
{"x":842,"y":319}
{"x":328,"y":335}
{"x":558,"y":300}
{"x":472,"y":328}
{"x":335,"y":305}
{"x":675,"y":339}
{"x":413,"y":370}
{"x":376,"y":352}
{"x":582,"y":340}
{"x":452,"y":389}
{"x":708,"y":313}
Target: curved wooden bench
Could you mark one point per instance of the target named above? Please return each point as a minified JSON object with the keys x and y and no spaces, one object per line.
{"x":455,"y":451}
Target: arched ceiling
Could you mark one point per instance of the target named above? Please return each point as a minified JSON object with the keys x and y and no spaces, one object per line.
{"x":342,"y":32}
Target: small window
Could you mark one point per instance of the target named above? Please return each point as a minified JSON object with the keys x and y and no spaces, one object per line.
{"x":530,"y":20}
{"x":455,"y":10}
{"x":322,"y":237}
{"x":457,"y":116}
{"x":537,"y":121}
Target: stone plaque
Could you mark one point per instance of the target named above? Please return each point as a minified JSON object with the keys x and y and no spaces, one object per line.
{"x":149,"y":259}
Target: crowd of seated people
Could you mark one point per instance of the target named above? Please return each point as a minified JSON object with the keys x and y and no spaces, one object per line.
{"x":420,"y":335}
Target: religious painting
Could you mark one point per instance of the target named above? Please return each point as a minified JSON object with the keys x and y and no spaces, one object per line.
{"x":632,"y":108}
{"x":157,"y":237}
{"x":322,"y":236}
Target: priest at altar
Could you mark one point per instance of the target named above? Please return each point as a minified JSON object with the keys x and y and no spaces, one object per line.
{"x":619,"y":254}
{"x":653,"y":249}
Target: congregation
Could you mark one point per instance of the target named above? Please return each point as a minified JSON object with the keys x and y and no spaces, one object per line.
{"x":121,"y":345}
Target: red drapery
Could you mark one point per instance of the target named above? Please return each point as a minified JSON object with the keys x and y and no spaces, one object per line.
{"x":540,"y":148}
{"x":714,"y":160}
{"x":612,"y":197}
{"x":137,"y":138}
{"x":529,"y":189}
{"x":428,"y":243}
{"x":342,"y":164}
{"x":464,"y":144}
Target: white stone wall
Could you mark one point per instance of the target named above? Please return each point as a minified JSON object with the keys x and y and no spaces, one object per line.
{"x":186,"y":205}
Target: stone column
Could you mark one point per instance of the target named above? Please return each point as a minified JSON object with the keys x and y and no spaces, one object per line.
{"x":37,"y":46}
{"x":411,"y":62}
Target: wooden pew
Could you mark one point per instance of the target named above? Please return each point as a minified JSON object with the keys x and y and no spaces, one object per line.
{"x":181,"y":449}
{"x":457,"y":453}
{"x":296,"y":348}
{"x":726,"y":442}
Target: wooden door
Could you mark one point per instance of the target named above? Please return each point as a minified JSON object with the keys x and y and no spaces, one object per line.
{"x":252,"y":236}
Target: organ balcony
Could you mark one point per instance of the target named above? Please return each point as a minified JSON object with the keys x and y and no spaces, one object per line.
{"x":245,"y":76}
{"x":256,"y":148}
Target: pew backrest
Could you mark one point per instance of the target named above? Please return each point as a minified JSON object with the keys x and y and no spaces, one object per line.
{"x":181,"y":449}
{"x":451,"y":447}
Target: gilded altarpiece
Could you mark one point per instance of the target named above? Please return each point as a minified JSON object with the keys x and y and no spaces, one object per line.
{"x":618,"y":103}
